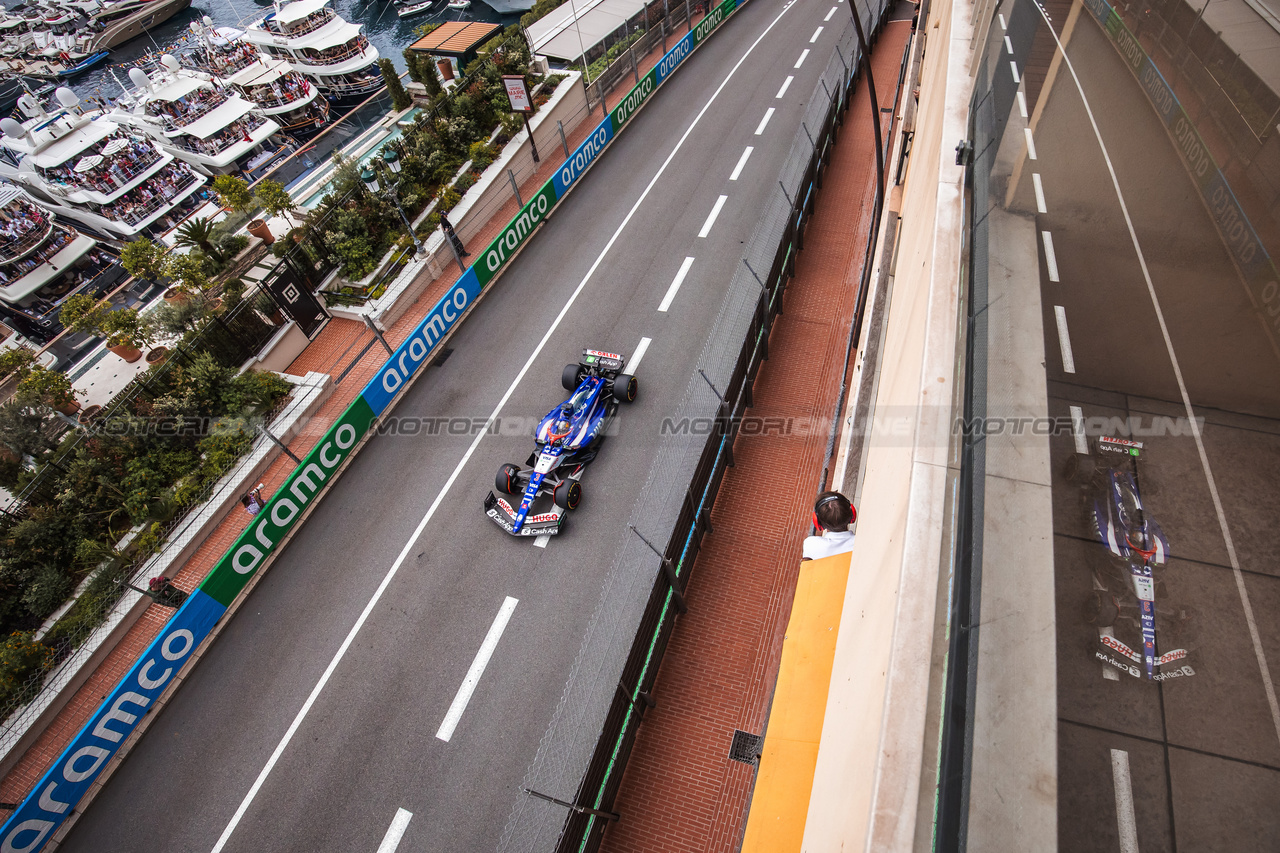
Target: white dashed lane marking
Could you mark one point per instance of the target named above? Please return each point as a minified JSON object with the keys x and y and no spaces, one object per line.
{"x":1050,"y":259}
{"x":742,"y":162}
{"x":1031,"y":144}
{"x":478,"y":665}
{"x":675,"y":285}
{"x":1039,"y":188}
{"x":768,"y":114}
{"x":785,"y":85}
{"x":1064,"y":339}
{"x":711,"y":217}
{"x":830,"y":14}
{"x":804,"y":54}
{"x":395,"y":832}
{"x":815,"y":35}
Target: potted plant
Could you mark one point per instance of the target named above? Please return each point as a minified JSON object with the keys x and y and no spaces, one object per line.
{"x":274,"y":198}
{"x":16,"y":361}
{"x":126,"y":331}
{"x":234,"y":194}
{"x":143,"y":259}
{"x":51,"y":389}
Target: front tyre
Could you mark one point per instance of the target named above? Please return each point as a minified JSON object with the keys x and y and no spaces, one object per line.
{"x":625,"y":388}
{"x":508,"y":480}
{"x":567,"y":494}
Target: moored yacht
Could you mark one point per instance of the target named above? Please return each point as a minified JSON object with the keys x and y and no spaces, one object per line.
{"x":42,"y":263}
{"x":323,"y":46}
{"x":84,"y":166}
{"x":195,"y":118}
{"x":282,"y":94}
{"x":114,"y":22}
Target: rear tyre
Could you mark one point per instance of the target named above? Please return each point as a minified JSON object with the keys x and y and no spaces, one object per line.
{"x":1100,"y":609}
{"x":625,"y":387}
{"x":567,"y":494}
{"x":571,"y":376}
{"x":508,"y":480}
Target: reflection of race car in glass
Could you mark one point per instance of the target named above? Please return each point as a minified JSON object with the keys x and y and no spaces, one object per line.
{"x":565,"y":441}
{"x":1127,"y":590}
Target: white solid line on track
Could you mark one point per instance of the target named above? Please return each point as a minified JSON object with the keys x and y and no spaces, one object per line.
{"x":478,"y":665}
{"x":1050,"y":259}
{"x":641,"y":348}
{"x":786,"y":84}
{"x":1126,"y":823}
{"x":1008,"y":45}
{"x":711,"y":217}
{"x":1003,"y":25}
{"x":768,"y":114}
{"x":1013,"y":66}
{"x":742,"y":161}
{"x":803,"y":55}
{"x":675,"y":285}
{"x":1064,"y":340}
{"x":1264,"y":669}
{"x":541,"y":540}
{"x":1077,"y":430}
{"x":816,"y":34}
{"x":1022,"y":103}
{"x":830,"y":14}
{"x":1039,"y":188}
{"x":395,"y":832}
{"x":1031,"y":144}
{"x":466,"y":457}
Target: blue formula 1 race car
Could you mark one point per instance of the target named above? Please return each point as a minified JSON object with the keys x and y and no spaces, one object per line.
{"x":565,"y":441}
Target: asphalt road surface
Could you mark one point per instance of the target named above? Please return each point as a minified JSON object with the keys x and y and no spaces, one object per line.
{"x":1199,"y":755}
{"x":368,"y":747}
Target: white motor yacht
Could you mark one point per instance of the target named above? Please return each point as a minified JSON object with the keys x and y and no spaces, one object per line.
{"x":114,"y":22}
{"x":195,"y":118}
{"x":42,"y":263}
{"x":283,"y":94}
{"x":84,"y":166}
{"x":323,"y":46}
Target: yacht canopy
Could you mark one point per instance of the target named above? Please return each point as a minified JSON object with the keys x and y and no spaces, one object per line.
{"x":48,"y":271}
{"x":329,"y":37}
{"x":179,"y":87}
{"x":572,"y":29}
{"x":73,"y":143}
{"x":257,"y":75}
{"x":299,"y":9}
{"x":215,"y":120}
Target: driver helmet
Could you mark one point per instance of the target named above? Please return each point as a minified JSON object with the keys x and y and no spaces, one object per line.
{"x":563,"y":423}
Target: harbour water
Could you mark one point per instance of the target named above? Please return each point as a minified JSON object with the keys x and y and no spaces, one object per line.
{"x":387,"y":32}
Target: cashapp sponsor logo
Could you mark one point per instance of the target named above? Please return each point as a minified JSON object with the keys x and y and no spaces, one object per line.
{"x":583,"y":157}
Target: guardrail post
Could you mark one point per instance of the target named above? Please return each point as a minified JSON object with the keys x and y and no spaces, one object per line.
{"x":666,"y":13}
{"x":573,"y":806}
{"x":378,"y":334}
{"x":688,"y":15}
{"x":515,"y":188}
{"x":669,"y":571}
{"x":635,"y":71}
{"x":563,"y":141}
{"x":278,"y":443}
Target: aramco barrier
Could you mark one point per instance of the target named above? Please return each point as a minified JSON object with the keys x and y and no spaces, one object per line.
{"x":65,"y":783}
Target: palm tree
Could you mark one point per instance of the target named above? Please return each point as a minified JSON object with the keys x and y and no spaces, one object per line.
{"x":198,"y":233}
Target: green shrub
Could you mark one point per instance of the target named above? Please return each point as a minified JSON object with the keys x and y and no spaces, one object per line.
{"x":448,"y":199}
{"x":46,"y":591}
{"x":481,"y":155}
{"x":464,"y":183}
{"x":21,"y":660}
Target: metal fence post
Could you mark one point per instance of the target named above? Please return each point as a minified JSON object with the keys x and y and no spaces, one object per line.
{"x":688,"y":15}
{"x":563,"y":141}
{"x":666,"y":13}
{"x":515,"y":188}
{"x":635,"y":71}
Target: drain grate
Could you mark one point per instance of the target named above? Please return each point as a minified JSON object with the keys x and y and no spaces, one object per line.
{"x":441,"y":358}
{"x":746,"y":747}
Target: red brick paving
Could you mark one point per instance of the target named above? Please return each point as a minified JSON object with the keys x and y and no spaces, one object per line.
{"x":331,"y":352}
{"x":680,"y":791}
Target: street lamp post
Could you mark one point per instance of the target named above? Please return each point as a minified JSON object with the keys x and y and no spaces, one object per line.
{"x":370,"y":178}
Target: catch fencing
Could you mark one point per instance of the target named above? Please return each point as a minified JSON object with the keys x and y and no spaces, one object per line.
{"x":567,"y":795}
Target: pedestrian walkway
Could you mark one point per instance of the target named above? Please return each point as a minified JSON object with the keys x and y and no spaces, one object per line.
{"x":332,"y":351}
{"x":681,"y":791}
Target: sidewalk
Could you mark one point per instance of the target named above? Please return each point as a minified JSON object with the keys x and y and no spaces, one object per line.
{"x":330,"y":352}
{"x":681,"y":791}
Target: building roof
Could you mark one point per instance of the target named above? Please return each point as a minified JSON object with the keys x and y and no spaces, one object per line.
{"x":456,"y":38}
{"x":570,"y":30}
